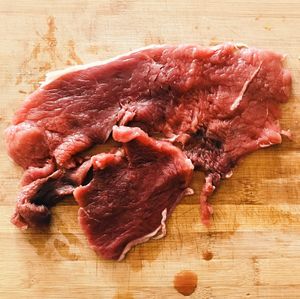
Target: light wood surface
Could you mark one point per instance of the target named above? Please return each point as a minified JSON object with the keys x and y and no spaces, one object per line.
{"x":255,"y":234}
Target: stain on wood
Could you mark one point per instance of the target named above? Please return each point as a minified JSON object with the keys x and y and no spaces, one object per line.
{"x":256,"y":271}
{"x":151,"y":39}
{"x":126,"y":295}
{"x":214,"y":41}
{"x":185,"y":282}
{"x":207,"y":255}
{"x":64,"y":250}
{"x":72,"y":53}
{"x":268,"y":28}
{"x":46,"y":55}
{"x":93,"y":49}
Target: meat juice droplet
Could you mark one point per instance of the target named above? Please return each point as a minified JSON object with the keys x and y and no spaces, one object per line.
{"x":185,"y":282}
{"x":207,"y":255}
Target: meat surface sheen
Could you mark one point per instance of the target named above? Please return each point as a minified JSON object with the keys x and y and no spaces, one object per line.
{"x":132,"y":193}
{"x":219,"y":103}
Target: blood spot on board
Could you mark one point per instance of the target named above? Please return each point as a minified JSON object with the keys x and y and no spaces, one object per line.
{"x":207,"y":255}
{"x":185,"y":282}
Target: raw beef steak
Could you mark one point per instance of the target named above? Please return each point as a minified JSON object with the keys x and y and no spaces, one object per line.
{"x":217,"y":103}
{"x":132,"y":193}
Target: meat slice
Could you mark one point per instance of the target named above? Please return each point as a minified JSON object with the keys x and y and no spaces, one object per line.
{"x":219,"y":103}
{"x":132,"y":192}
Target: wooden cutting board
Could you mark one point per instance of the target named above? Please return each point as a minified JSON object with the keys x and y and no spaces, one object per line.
{"x":254,"y":240}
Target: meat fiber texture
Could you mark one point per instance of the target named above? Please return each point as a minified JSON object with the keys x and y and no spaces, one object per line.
{"x":132,"y":193}
{"x":217,"y":104}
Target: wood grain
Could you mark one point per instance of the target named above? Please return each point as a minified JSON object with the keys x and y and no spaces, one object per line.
{"x":254,"y":237}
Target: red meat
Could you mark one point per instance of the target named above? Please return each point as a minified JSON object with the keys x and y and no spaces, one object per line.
{"x":132,"y":193}
{"x":219,"y":103}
